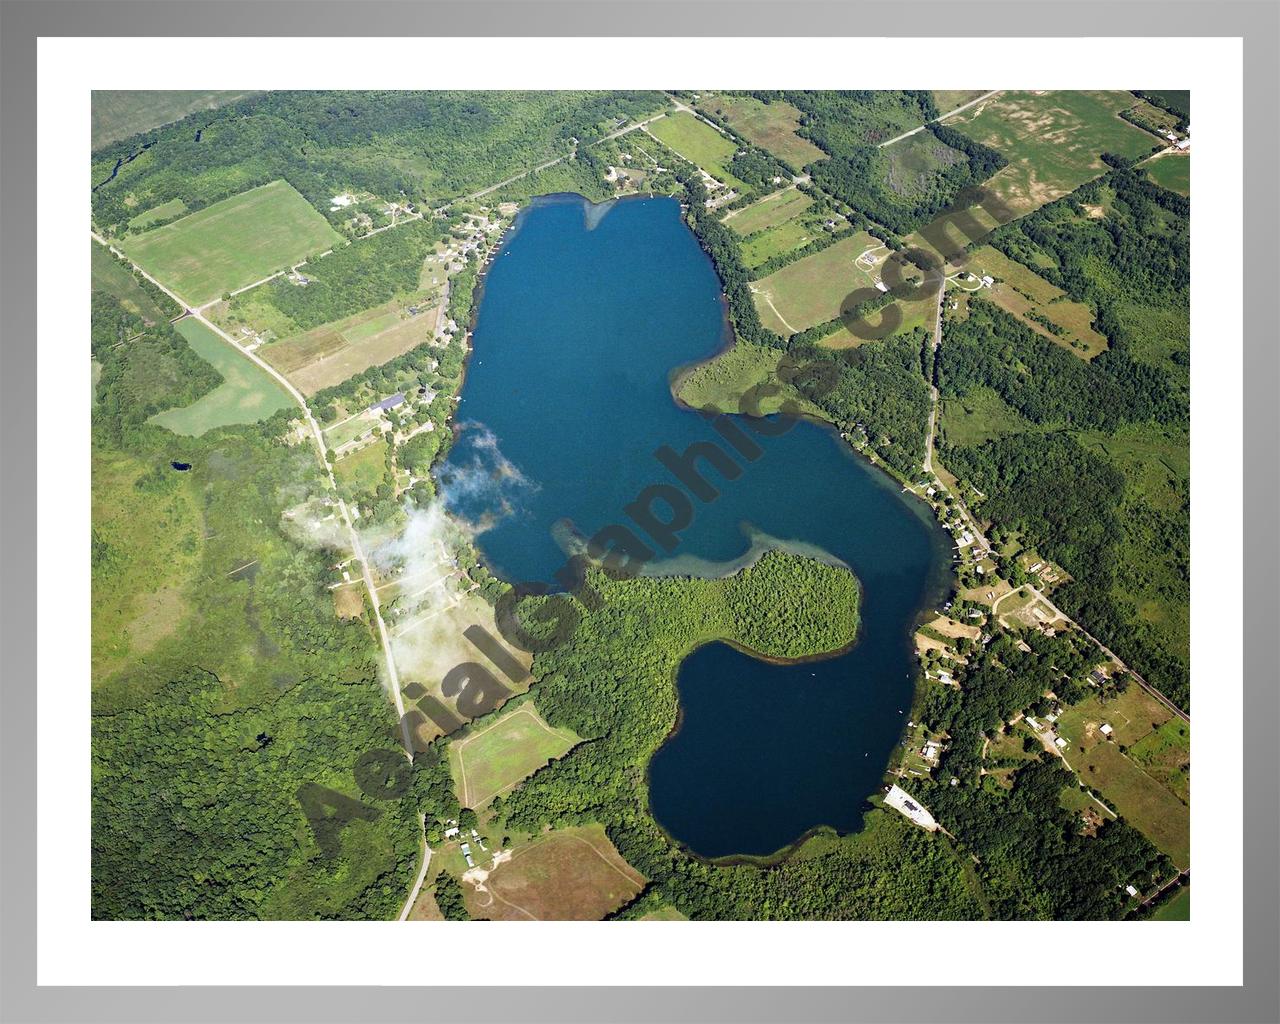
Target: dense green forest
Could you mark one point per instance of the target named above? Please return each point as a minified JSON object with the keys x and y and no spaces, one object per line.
{"x":880,"y":388}
{"x":1092,"y":461}
{"x":613,"y":683}
{"x":146,"y":368}
{"x":355,"y":277}
{"x":207,"y":726}
{"x":426,"y":146}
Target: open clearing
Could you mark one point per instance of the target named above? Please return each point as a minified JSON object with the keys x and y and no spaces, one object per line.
{"x":165,"y":211}
{"x":332,"y":353}
{"x":948,"y":99}
{"x":1178,"y":907}
{"x":247,"y":394}
{"x":771,"y":126}
{"x":1053,"y":140}
{"x":117,"y":114}
{"x":362,"y":470}
{"x":980,"y":416}
{"x":497,"y":757}
{"x":666,"y":912}
{"x":1172,"y":171}
{"x":1149,"y":780}
{"x":769,"y":212}
{"x":147,"y":547}
{"x":108,"y":274}
{"x":1033,"y":300}
{"x":813,"y":290}
{"x":232,"y":243}
{"x":572,"y":874}
{"x":697,"y":142}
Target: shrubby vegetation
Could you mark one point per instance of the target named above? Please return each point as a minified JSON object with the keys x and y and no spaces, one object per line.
{"x":201,"y":746}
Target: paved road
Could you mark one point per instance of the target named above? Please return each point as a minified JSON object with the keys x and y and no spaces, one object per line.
{"x":941,"y":117}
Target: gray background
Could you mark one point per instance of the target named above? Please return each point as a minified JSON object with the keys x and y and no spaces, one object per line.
{"x":1258,"y":1000}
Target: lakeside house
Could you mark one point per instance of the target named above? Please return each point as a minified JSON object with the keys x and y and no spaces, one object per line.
{"x":388,"y":403}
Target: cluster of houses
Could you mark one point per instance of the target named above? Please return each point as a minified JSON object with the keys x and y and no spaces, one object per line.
{"x":453,"y":831}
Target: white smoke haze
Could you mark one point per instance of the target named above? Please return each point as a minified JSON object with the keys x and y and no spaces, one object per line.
{"x":316,"y":524}
{"x":488,"y":486}
{"x":432,"y":601}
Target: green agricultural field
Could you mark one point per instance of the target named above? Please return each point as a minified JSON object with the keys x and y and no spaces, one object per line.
{"x":232,"y":243}
{"x":1172,"y":171}
{"x":1176,"y":908}
{"x":697,"y":142}
{"x":502,"y":754}
{"x":769,"y":212}
{"x":771,"y":126}
{"x":812,"y":290}
{"x":246,"y":395}
{"x":362,"y":471}
{"x":1053,"y":141}
{"x":117,"y":114}
{"x":165,"y":211}
{"x":1042,"y":306}
{"x":109,"y":274}
{"x":785,"y":238}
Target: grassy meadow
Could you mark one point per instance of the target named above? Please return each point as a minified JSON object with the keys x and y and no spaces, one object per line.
{"x":502,"y":754}
{"x":232,"y":243}
{"x":697,"y":142}
{"x":1042,"y":306}
{"x":1172,"y":171}
{"x":109,"y":274}
{"x":117,"y":114}
{"x":1053,"y":141}
{"x":328,"y":355}
{"x":771,"y":126}
{"x":247,"y":394}
{"x":769,"y":212}
{"x":812,"y":290}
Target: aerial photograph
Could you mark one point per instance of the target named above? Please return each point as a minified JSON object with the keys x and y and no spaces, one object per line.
{"x":641,"y":505}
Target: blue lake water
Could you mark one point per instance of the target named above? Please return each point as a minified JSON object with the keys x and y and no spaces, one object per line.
{"x":586,"y":313}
